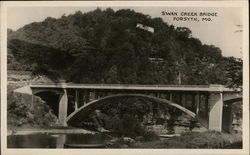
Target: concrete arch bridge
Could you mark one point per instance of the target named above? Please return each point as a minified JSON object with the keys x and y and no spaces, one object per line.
{"x":210,"y":104}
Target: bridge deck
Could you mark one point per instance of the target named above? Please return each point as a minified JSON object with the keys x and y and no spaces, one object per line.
{"x":208,"y":88}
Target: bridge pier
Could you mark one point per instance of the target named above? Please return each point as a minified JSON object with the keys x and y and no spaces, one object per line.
{"x":63,"y":108}
{"x":215,"y":114}
{"x":183,"y":99}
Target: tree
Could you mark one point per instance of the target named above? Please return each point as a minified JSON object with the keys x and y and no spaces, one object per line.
{"x":234,"y":68}
{"x":104,"y":46}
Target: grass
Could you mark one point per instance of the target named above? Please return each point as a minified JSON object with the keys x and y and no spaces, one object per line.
{"x":194,"y":140}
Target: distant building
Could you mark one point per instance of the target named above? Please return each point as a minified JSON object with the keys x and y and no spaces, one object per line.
{"x":147,"y":28}
{"x":155,"y":59}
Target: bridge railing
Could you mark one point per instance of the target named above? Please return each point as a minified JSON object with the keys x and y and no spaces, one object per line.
{"x":210,"y":88}
{"x":138,"y":85}
{"x":118,"y":85}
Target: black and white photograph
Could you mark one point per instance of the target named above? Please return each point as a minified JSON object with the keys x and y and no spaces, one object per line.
{"x":107,"y":76}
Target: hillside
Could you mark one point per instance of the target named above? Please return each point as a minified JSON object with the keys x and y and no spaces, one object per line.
{"x":106,"y":46}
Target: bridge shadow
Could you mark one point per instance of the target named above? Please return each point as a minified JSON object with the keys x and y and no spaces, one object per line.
{"x":51,"y":99}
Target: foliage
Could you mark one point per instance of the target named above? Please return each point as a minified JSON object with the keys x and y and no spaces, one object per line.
{"x":133,"y":117}
{"x":195,"y":140}
{"x":122,"y":118}
{"x":234,"y":72}
{"x":21,"y":112}
{"x":104,"y":46}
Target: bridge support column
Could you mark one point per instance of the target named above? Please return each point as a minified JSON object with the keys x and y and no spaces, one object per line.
{"x":76,"y":99}
{"x":171,"y":97}
{"x":96,"y":95}
{"x":215,"y":114}
{"x":86,"y":97}
{"x":207,"y":106}
{"x":80,"y":98}
{"x":63,"y":108}
{"x":197,"y":102}
{"x":183,"y":100}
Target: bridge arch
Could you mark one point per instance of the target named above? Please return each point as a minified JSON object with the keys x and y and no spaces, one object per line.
{"x":233,"y":100}
{"x":51,"y":98}
{"x":227,"y":114}
{"x":86,"y":109}
{"x":37,"y":91}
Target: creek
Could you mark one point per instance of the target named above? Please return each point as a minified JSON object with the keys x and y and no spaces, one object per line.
{"x":40,"y":140}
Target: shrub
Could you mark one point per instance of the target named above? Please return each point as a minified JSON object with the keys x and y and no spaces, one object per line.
{"x":150,"y":136}
{"x":20,"y":111}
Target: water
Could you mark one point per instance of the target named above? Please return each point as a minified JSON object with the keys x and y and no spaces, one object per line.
{"x":54,"y":140}
{"x":65,"y":141}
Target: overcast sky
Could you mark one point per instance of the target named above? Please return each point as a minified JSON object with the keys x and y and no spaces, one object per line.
{"x":219,"y":32}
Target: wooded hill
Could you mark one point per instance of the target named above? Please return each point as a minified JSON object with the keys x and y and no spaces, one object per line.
{"x":106,"y":46}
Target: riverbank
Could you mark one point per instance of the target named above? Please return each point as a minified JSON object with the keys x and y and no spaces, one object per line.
{"x":188,"y":140}
{"x":196,"y":140}
{"x":27,"y":131}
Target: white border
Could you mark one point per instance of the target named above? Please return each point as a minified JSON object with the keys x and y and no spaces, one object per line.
{"x":5,"y":5}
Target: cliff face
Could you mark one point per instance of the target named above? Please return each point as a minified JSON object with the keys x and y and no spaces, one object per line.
{"x":22,"y":78}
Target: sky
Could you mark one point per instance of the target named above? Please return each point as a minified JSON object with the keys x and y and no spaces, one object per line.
{"x":220,"y":32}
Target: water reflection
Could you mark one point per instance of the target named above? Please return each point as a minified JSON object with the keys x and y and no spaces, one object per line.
{"x":31,"y":141}
{"x":54,"y":140}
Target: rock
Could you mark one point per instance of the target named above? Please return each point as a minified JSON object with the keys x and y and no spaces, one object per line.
{"x":128,"y":140}
{"x":101,"y":129}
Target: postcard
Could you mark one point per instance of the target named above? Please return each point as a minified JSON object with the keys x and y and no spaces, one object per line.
{"x":127,"y":77}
